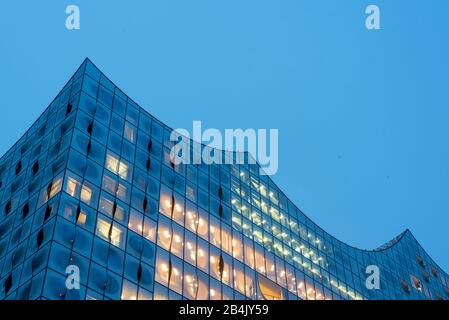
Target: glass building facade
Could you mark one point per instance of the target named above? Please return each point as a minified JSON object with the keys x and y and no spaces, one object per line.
{"x":91,"y":185}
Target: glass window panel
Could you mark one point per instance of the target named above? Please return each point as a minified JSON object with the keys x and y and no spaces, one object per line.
{"x":237,"y":246}
{"x":280,"y":272}
{"x":135,"y":222}
{"x":250,"y":289}
{"x":203,"y":255}
{"x":239,"y":278}
{"x":226,"y":239}
{"x":190,"y":253}
{"x":178,"y":241}
{"x":259,"y":259}
{"x":176,"y":275}
{"x":149,"y":229}
{"x":214,"y":232}
{"x":162,"y":267}
{"x":191,"y":217}
{"x":270,"y":266}
{"x":249,"y":253}
{"x":203,"y":225}
{"x":164,"y":234}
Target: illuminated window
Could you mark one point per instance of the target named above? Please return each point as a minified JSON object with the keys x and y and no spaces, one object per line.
{"x":280,"y":272}
{"x":82,"y":218}
{"x":195,"y":287}
{"x":55,"y":187}
{"x":178,"y":212}
{"x":113,"y":235}
{"x":191,"y":220}
{"x":310,"y":290}
{"x":270,"y":266}
{"x":257,"y":235}
{"x":149,"y":229}
{"x":203,"y":255}
{"x":249,"y":254}
{"x":291,"y":279}
{"x":178,"y":241}
{"x":176,"y":275}
{"x":86,"y":194}
{"x":72,"y":187}
{"x":162,"y":268}
{"x":300,"y":285}
{"x":263,"y":190}
{"x":237,"y":246}
{"x":129,"y":291}
{"x":239,"y":278}
{"x":135,"y":222}
{"x":269,"y":290}
{"x":173,"y":210}
{"x":77,"y":190}
{"x":190,"y":248}
{"x":203,"y":225}
{"x":216,"y":262}
{"x":256,"y":217}
{"x":164,"y":234}
{"x":214,"y":290}
{"x":215,"y":232}
{"x":226,"y":239}
{"x":166,"y":205}
{"x":117,"y":166}
{"x":260,"y":260}
{"x":190,"y":283}
{"x":250,"y":289}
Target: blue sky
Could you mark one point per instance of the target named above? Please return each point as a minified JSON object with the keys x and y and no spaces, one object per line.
{"x":362,"y":115}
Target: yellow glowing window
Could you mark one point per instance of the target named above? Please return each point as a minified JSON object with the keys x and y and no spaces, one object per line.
{"x":190,"y":252}
{"x":269,"y":290}
{"x":162,"y":270}
{"x":239,"y":280}
{"x":166,"y":205}
{"x":177,"y":243}
{"x":129,"y":291}
{"x":260,"y":261}
{"x":103,"y":228}
{"x":72,"y":186}
{"x":190,"y":285}
{"x":215,"y":232}
{"x":202,"y":226}
{"x":164,"y":236}
{"x":226,"y":240}
{"x":55,"y":187}
{"x":116,"y":166}
{"x":237,"y":247}
{"x":86,"y":194}
{"x":82,"y":218}
{"x":149,"y":230}
{"x":202,"y":256}
{"x":249,"y":254}
{"x":191,"y":220}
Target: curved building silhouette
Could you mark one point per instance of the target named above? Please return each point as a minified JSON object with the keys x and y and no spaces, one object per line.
{"x":93,"y":208}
